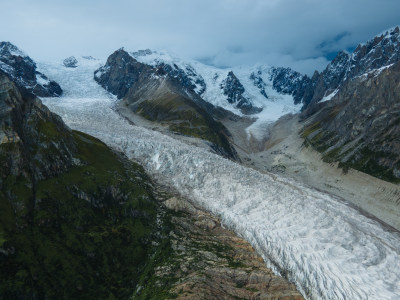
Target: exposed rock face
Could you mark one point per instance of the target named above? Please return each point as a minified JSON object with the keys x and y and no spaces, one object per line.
{"x":259,"y":83}
{"x":121,"y":72}
{"x":186,"y":75}
{"x":119,"y":83}
{"x":360,"y":126}
{"x":234,"y":90}
{"x":210,"y":262}
{"x":165,"y":95}
{"x":70,"y":62}
{"x":187,"y":78}
{"x":22,"y":69}
{"x":287,"y":81}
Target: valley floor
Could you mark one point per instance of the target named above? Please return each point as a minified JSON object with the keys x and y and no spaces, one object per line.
{"x":283,"y":152}
{"x":328,"y":248}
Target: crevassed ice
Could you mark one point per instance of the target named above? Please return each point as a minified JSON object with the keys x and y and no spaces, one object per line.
{"x":327,"y":248}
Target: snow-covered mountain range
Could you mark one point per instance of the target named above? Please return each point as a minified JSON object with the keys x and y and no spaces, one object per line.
{"x":328,"y":248}
{"x":241,"y":90}
{"x":267,"y":92}
{"x":247,"y":89}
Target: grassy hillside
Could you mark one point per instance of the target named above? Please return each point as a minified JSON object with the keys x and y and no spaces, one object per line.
{"x":185,"y":117}
{"x":83,"y":234}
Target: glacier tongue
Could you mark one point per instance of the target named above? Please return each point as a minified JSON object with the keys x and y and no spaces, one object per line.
{"x":329,"y":249}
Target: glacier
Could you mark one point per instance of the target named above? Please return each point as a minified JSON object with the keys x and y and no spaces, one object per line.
{"x":328,"y":248}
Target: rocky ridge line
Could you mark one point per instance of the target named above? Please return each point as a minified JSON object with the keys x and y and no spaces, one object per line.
{"x":22,"y":70}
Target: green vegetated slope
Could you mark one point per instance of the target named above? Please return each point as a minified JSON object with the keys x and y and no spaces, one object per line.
{"x":77,"y":220}
{"x":185,"y":117}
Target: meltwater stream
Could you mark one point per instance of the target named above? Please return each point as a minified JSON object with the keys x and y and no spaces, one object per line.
{"x":327,"y":248}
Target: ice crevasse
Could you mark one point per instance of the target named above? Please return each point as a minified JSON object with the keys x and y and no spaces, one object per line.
{"x":329,"y":249}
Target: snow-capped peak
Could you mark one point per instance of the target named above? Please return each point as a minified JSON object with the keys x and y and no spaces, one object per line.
{"x":394,"y":31}
{"x":23,"y":72}
{"x":8,"y":49}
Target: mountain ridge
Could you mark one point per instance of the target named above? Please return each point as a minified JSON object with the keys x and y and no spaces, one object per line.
{"x":380,"y":51}
{"x":161,"y":96}
{"x":22,"y":69}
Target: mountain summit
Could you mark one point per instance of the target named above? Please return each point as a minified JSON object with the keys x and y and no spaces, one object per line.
{"x":22,"y":70}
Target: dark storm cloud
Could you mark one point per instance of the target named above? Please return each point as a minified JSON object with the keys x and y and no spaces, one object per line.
{"x":297,"y":33}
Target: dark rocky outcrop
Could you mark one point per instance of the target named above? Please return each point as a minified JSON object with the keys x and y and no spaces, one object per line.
{"x":70,"y":62}
{"x":164,"y":95}
{"x":234,"y":90}
{"x":22,"y":117}
{"x":22,"y":69}
{"x":259,"y":83}
{"x":287,"y":81}
{"x":187,"y":78}
{"x":121,"y":72}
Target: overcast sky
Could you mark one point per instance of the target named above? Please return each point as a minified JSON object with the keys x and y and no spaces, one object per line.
{"x":302,"y":34}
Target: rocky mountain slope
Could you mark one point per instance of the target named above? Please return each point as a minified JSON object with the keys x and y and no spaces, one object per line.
{"x":208,"y":261}
{"x":22,"y":69}
{"x":360,"y":127}
{"x":159,"y":95}
{"x":353,"y":115}
{"x":381,"y":51}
